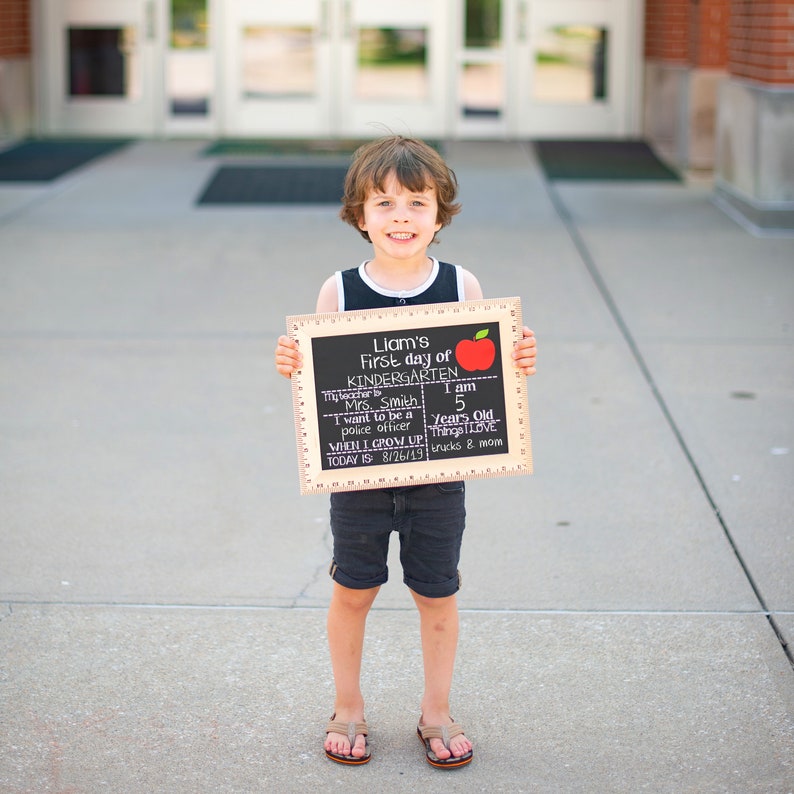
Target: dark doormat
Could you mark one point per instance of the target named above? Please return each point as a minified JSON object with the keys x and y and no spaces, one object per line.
{"x":277,"y":147}
{"x":608,"y":160}
{"x":45,"y":160}
{"x":265,"y":147}
{"x":275,"y":184}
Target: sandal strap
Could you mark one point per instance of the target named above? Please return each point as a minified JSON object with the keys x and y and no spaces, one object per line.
{"x":350,"y":729}
{"x":443,"y":732}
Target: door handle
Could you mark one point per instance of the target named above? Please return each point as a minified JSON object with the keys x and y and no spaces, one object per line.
{"x":523,"y":20}
{"x":347,"y":23}
{"x":150,"y":20}
{"x":323,"y":27}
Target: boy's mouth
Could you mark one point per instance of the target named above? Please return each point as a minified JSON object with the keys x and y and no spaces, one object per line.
{"x":402,"y":235}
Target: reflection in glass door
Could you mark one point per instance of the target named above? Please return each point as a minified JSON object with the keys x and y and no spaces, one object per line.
{"x":571,"y":64}
{"x":577,"y":66}
{"x":391,"y":73}
{"x":98,"y":67}
{"x":333,"y":67}
{"x":277,"y":67}
{"x":481,"y":69}
{"x":540,"y":68}
{"x":190,"y":106}
{"x":103,"y":62}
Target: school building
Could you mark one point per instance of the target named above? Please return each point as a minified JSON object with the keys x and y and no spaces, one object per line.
{"x":710,"y":83}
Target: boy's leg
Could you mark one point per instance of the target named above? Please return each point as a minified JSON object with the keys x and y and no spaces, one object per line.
{"x":347,"y":617}
{"x":439,"y":630}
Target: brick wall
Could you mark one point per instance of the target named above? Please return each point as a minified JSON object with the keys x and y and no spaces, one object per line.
{"x":687,"y":32}
{"x":667,"y":31}
{"x":14,"y":28}
{"x":708,"y":33}
{"x":762,"y":41}
{"x":686,"y":54}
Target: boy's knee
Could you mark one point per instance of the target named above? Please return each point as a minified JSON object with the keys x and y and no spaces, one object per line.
{"x":431,"y":603}
{"x":354,"y":599}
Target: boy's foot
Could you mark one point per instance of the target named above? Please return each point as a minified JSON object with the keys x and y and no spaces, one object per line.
{"x":346,"y":742}
{"x":445,"y":745}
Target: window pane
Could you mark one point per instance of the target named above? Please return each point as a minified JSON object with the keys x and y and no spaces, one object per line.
{"x":188,"y":24}
{"x":392,"y":64}
{"x":189,"y":75}
{"x":190,"y":82}
{"x":278,"y":62}
{"x":483,"y":90}
{"x":102,"y":62}
{"x":570,"y":64}
{"x":483,"y":23}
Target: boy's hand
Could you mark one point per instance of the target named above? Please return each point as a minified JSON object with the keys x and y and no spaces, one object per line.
{"x":524,"y":353}
{"x":288,"y":357}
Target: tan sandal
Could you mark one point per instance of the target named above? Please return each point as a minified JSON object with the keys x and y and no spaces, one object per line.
{"x":446,"y":733}
{"x":351,"y":729}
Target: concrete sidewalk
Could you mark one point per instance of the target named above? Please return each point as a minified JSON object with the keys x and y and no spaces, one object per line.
{"x":164,"y":584}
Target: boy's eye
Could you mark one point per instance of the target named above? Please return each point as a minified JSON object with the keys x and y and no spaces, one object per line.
{"x":390,"y":203}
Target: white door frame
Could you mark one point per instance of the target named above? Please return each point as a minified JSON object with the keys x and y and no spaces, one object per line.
{"x":141,"y":113}
{"x":422,"y":115}
{"x":615,"y":116}
{"x":250,"y":115}
{"x":522,"y":117}
{"x":334,"y":109}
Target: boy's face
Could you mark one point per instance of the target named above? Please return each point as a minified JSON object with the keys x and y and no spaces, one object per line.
{"x":400,"y":222}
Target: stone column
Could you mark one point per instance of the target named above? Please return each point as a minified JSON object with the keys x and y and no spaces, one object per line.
{"x":754,"y":174}
{"x":16,"y":92}
{"x":686,"y":58}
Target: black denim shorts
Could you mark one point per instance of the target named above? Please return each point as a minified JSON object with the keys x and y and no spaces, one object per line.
{"x":429,"y":520}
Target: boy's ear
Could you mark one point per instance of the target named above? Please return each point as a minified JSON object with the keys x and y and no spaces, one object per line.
{"x":361,"y":224}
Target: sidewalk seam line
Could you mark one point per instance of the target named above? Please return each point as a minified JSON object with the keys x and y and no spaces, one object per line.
{"x":141,"y":605}
{"x":584,"y":253}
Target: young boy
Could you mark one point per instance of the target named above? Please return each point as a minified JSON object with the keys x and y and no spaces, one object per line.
{"x":398,"y":193}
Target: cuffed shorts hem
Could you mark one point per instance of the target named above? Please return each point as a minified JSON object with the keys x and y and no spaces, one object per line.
{"x":434,"y":590}
{"x":340,"y":577}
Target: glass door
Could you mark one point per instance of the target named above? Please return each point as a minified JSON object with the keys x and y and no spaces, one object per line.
{"x":190,"y":105}
{"x":577,"y":63}
{"x":100,"y":66}
{"x":481,"y":68}
{"x":277,"y":67}
{"x":333,"y":67}
{"x":546,"y":68}
{"x":392,"y":68}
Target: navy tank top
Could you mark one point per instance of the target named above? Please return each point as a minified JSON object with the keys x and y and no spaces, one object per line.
{"x":356,"y":290}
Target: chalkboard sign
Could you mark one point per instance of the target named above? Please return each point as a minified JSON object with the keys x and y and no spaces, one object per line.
{"x":409,"y":395}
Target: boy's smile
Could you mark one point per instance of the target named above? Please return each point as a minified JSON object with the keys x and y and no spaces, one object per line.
{"x":401,"y":223}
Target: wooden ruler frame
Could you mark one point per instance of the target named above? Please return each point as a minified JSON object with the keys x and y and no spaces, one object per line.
{"x":516,"y":459}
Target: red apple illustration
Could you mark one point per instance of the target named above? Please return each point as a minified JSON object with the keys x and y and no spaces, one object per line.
{"x":476,"y":354}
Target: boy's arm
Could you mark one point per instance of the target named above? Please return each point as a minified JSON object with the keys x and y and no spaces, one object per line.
{"x":472,"y":290}
{"x":328,"y":299}
{"x":288,"y":356}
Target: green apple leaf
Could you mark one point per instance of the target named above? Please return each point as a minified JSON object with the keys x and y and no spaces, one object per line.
{"x":481,"y":334}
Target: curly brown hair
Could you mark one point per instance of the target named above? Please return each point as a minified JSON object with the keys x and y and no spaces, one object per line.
{"x":415,"y":165}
